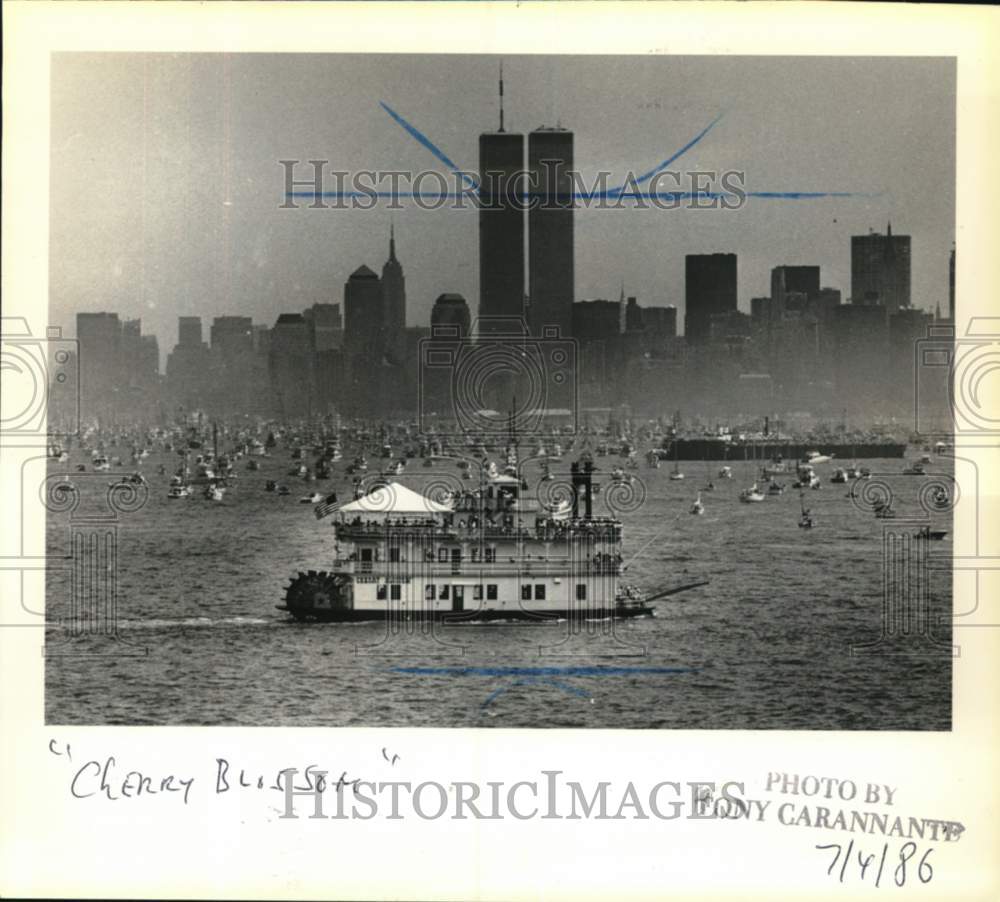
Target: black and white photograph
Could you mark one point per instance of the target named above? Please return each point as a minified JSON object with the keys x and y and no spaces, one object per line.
{"x":499,"y":451}
{"x":471,"y":391}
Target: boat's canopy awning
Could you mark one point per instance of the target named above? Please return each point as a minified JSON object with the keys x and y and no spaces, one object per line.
{"x":392,"y":500}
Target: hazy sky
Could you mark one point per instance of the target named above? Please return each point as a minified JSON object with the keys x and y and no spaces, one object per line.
{"x":166,"y":185}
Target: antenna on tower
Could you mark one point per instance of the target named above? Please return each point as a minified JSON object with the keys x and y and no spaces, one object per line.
{"x":501,"y":95}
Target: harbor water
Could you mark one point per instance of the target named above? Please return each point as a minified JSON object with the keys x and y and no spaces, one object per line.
{"x":767,"y":644}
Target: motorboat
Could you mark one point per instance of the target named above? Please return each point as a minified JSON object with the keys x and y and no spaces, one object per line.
{"x":312,"y":498}
{"x":178,"y":491}
{"x":725,"y":472}
{"x":752,"y":495}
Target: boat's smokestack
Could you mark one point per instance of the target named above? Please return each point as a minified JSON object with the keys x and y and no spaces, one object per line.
{"x":577,"y":486}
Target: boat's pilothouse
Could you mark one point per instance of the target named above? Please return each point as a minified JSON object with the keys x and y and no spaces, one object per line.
{"x":489,"y":554}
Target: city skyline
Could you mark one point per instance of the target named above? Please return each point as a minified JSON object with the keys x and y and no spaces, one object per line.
{"x":150,"y":177}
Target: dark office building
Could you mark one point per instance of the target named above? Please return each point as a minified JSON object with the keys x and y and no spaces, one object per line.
{"x":709,"y":290}
{"x":363,"y":313}
{"x":450,"y":323}
{"x":789,"y":285}
{"x":325,"y":327}
{"x":189,"y":331}
{"x":550,"y":230}
{"x":450,"y":317}
{"x":660,"y":322}
{"x":292,"y":366}
{"x":880,"y":270}
{"x":501,"y":230}
{"x":100,"y":339}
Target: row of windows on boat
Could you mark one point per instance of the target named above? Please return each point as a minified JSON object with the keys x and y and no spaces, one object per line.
{"x":454,"y":556}
{"x":489,"y":591}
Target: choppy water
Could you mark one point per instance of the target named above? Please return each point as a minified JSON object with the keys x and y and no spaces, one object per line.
{"x":766,"y":645}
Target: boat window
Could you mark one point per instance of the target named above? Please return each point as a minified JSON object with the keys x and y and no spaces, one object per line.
{"x":581,"y":591}
{"x":526,"y":592}
{"x":444,"y":592}
{"x":539,"y":592}
{"x":491,"y":591}
{"x":429,"y":592}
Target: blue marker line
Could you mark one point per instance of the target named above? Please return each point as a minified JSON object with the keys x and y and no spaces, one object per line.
{"x":426,"y":142}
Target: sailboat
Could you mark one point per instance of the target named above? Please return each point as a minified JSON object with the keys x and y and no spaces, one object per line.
{"x":676,"y":474}
{"x":698,"y":508}
{"x":752,"y":495}
{"x":806,"y":520}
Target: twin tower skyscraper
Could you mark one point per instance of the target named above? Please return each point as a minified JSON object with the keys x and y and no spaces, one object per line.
{"x":536,"y":198}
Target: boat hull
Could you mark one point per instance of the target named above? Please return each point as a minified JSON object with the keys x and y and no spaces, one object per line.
{"x":456,"y":618}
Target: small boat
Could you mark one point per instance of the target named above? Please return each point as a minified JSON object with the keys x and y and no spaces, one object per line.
{"x":100,"y":463}
{"x":252,"y":464}
{"x":301,"y":470}
{"x":775,"y":488}
{"x":725,"y":472}
{"x":676,"y":475}
{"x":619,"y":475}
{"x":270,"y":486}
{"x":805,"y":520}
{"x":178,"y":491}
{"x":814,"y":457}
{"x":916,"y":469}
{"x":283,"y":490}
{"x":752,"y":495}
{"x":313,"y":498}
{"x":933,"y":535}
{"x":653,"y":460}
{"x":853,"y":472}
{"x":698,"y":508}
{"x":839,"y":475}
{"x":215,"y":492}
{"x":925,"y":458}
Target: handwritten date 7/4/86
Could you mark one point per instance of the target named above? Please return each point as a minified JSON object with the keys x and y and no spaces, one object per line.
{"x":902,"y":867}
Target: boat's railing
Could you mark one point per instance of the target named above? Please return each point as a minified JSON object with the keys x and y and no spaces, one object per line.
{"x":598,"y":531}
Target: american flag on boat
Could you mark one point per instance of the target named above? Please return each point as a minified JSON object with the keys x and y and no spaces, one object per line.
{"x":327,"y":506}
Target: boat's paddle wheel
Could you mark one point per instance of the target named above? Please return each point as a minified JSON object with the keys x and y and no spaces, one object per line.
{"x":315,"y":595}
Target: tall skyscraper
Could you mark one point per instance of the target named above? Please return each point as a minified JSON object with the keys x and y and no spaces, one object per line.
{"x":501,"y":225}
{"x":709,"y":290}
{"x":550,"y":230}
{"x":880,"y":270}
{"x":393,"y":303}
